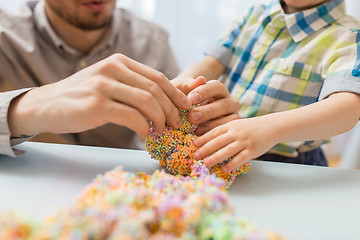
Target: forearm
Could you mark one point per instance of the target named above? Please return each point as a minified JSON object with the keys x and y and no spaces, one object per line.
{"x":249,"y":138}
{"x":209,"y":67}
{"x":332,"y":116}
{"x":21,"y":118}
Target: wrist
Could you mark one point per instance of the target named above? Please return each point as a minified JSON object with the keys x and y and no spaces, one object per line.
{"x":276,"y":128}
{"x":21,"y":117}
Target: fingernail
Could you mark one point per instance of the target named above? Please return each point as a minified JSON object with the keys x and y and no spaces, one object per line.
{"x":196,"y":143}
{"x":196,"y":115}
{"x":179,"y":122}
{"x":194,"y":97}
{"x":187,"y":102}
{"x":197,"y":156}
{"x":200,"y":130}
{"x":160,"y":131}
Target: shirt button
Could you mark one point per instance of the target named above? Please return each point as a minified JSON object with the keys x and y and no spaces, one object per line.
{"x":283,"y":66}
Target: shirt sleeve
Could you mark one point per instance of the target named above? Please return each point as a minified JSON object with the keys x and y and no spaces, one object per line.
{"x":343,"y":69}
{"x":6,"y":142}
{"x":223,"y":49}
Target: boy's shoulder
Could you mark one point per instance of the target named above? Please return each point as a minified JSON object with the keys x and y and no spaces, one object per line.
{"x":345,"y":28}
{"x":348,"y":22}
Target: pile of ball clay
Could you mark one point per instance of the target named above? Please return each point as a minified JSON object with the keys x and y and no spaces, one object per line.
{"x":174,"y":149}
{"x":120,"y":205}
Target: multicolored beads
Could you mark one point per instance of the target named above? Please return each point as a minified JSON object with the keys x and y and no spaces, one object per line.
{"x":121,"y":205}
{"x":174,"y":149}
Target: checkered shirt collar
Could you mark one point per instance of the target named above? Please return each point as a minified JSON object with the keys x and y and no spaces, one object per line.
{"x":304,"y":23}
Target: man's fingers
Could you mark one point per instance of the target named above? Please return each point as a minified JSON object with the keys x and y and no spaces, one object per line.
{"x":176,"y":96}
{"x":127,"y":116}
{"x":136,"y":80}
{"x":139,"y":99}
{"x":167,"y":107}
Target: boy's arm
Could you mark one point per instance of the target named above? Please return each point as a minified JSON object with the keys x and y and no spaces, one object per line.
{"x":332,"y":116}
{"x":246,"y":139}
{"x":209,"y":67}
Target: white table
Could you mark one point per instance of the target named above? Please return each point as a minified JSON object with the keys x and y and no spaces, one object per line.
{"x":300,"y":202}
{"x":351,"y":154}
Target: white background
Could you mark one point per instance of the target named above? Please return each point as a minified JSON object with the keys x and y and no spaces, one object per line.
{"x":195,"y":24}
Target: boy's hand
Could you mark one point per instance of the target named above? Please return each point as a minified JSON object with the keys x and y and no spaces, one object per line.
{"x":243,"y":139}
{"x":215,"y":106}
{"x":187,"y":84}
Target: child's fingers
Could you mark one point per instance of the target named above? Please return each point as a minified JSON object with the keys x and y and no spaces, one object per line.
{"x":240,"y":159}
{"x":212,"y":146}
{"x":225,"y":153}
{"x":197,"y":83}
{"x":186,"y":85}
{"x":212,"y":89}
{"x":213,"y":110}
{"x":205,"y":127}
{"x":209,"y":136}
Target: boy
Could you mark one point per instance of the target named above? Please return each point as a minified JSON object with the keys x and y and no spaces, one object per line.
{"x":294,"y":67}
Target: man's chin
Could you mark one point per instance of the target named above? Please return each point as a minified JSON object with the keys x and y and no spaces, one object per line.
{"x":94,"y":27}
{"x":88,"y":25}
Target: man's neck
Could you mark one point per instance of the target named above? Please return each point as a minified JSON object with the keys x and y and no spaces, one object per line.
{"x":81,"y":40}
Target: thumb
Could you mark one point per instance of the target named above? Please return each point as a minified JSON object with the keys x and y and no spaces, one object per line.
{"x":197,"y":82}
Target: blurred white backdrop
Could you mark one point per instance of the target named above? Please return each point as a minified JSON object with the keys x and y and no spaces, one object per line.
{"x":195,"y":24}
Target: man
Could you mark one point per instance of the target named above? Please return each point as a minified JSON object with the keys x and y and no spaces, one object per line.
{"x":52,"y":40}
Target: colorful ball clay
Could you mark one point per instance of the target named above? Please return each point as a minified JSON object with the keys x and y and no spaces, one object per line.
{"x":174,"y":149}
{"x":122,"y":206}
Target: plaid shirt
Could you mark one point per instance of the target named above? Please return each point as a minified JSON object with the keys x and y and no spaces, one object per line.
{"x":277,"y":62}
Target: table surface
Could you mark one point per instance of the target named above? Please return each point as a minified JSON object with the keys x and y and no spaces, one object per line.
{"x":297,"y":201}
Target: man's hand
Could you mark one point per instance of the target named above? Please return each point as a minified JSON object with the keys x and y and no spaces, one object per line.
{"x":117,"y":90}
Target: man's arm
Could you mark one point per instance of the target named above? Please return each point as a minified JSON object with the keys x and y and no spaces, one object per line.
{"x":117,"y":89}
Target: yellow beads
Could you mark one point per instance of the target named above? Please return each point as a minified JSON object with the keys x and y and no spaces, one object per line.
{"x":174,"y":149}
